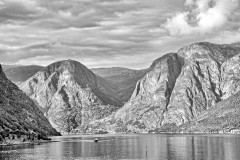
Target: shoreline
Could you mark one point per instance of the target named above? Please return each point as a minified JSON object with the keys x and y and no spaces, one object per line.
{"x":180,"y":133}
{"x":28,"y":143}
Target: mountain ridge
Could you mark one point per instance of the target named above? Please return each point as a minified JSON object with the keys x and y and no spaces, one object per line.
{"x":175,"y":90}
{"x":198,"y":87}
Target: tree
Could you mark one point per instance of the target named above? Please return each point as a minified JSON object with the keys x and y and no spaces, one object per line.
{"x":1,"y":139}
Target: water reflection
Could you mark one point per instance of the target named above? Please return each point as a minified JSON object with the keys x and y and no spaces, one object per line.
{"x":150,"y":147}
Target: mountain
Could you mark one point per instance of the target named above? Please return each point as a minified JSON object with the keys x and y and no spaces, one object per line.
{"x":151,"y":95}
{"x":196,"y":89}
{"x":19,"y":74}
{"x":124,"y":78}
{"x":181,"y":86}
{"x":18,"y":111}
{"x":6,"y":66}
{"x":71,"y":96}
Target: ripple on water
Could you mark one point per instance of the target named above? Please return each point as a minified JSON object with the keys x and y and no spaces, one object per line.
{"x":137,"y":147}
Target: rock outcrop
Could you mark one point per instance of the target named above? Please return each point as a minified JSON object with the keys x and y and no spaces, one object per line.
{"x":71,"y":96}
{"x":19,"y":113}
{"x":181,"y":86}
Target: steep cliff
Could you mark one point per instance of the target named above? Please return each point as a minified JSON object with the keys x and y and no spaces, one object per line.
{"x":18,"y":111}
{"x":71,"y":96}
{"x":230,"y":74}
{"x":151,"y":96}
{"x":179,"y":87}
{"x":198,"y":87}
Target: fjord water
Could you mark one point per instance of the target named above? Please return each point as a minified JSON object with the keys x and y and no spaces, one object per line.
{"x":138,"y":146}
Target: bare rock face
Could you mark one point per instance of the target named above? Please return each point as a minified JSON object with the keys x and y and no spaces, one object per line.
{"x":179,"y":87}
{"x":230,"y":83}
{"x":150,"y":99}
{"x":18,"y":112}
{"x":199,"y":85}
{"x":71,"y":96}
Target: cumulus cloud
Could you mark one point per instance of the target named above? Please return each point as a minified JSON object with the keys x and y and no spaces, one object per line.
{"x":204,"y":16}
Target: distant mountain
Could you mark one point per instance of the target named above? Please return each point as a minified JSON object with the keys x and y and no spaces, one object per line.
{"x":18,"y":111}
{"x":180,"y":87}
{"x":19,"y":74}
{"x":124,"y":78}
{"x":71,"y":96}
{"x":5,"y":66}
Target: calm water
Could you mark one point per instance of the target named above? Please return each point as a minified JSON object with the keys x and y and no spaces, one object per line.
{"x":145,"y":146}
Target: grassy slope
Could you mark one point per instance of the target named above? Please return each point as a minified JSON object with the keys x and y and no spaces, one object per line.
{"x":124,"y":78}
{"x":223,"y":117}
{"x":19,"y":74}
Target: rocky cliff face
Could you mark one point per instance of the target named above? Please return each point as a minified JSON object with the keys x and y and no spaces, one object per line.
{"x":179,"y":87}
{"x":199,"y":85}
{"x":230,"y":74}
{"x":151,"y":96}
{"x":71,"y":96}
{"x":18,"y":111}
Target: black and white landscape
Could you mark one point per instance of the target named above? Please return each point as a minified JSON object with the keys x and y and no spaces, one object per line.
{"x":117,"y":79}
{"x":193,"y":90}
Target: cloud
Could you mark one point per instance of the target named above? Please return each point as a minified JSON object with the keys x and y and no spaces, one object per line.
{"x":108,"y":33}
{"x":204,"y":17}
{"x":19,"y":9}
{"x":178,"y":25}
{"x":226,"y":37}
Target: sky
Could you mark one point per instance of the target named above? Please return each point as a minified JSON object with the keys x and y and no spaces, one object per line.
{"x":111,"y":33}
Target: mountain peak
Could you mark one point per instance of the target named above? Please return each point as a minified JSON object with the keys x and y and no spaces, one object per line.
{"x":69,"y":65}
{"x":70,"y":86}
{"x":206,"y":50}
{"x":68,"y":62}
{"x":163,"y":58}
